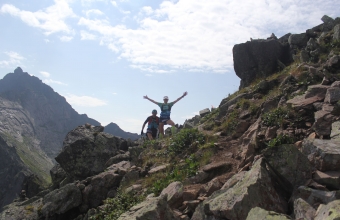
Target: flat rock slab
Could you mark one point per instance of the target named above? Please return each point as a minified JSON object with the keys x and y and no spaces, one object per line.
{"x":259,"y":213}
{"x":331,"y":179}
{"x":324,"y":154}
{"x":158,"y":168}
{"x":300,"y":102}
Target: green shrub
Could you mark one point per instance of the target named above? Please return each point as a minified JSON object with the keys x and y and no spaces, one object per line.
{"x":275,"y":117}
{"x":116,"y":206}
{"x":280,"y":140}
{"x":184,"y":139}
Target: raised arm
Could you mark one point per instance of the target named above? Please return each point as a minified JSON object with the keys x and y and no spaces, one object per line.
{"x":184,"y":94}
{"x":146,"y":97}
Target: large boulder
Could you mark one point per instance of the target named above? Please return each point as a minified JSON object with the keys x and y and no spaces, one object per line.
{"x":85,"y":151}
{"x":256,"y":189}
{"x":100,"y":186}
{"x":61,"y":200}
{"x":289,"y":162}
{"x":174,"y":192}
{"x":323,"y":154}
{"x":153,"y":208}
{"x":298,"y":40}
{"x":258,"y":58}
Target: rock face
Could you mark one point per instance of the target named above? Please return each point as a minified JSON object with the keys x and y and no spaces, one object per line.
{"x":52,"y":115}
{"x":258,"y":58}
{"x":255,"y":189}
{"x":86,"y":150}
{"x":23,"y":164}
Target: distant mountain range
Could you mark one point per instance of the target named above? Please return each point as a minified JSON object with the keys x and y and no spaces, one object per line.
{"x":34,"y":120}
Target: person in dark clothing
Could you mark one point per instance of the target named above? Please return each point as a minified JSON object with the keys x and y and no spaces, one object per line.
{"x":153,"y":123}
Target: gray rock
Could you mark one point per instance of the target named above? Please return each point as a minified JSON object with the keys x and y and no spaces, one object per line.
{"x":304,"y":56}
{"x":226,"y":103}
{"x":328,"y":23}
{"x":330,"y":179}
{"x":312,"y":45}
{"x":315,"y":197}
{"x":86,"y":150}
{"x":154,"y":208}
{"x":299,"y":40}
{"x":98,"y":189}
{"x":61,"y":200}
{"x":332,"y":95}
{"x":258,"y":58}
{"x":303,"y":210}
{"x":323,"y":123}
{"x":328,"y":211}
{"x":336,"y":35}
{"x":188,"y":124}
{"x":259,"y":213}
{"x":174,"y":192}
{"x":253,"y":190}
{"x":204,"y":112}
{"x":118,"y":158}
{"x":234,"y":180}
{"x":290,"y":163}
{"x":323,"y":154}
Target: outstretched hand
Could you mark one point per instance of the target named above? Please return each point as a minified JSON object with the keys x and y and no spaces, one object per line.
{"x":185,"y":93}
{"x":145,"y":97}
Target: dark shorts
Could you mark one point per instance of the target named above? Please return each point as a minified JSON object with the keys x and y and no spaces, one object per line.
{"x":152,"y":131}
{"x":164,"y":119}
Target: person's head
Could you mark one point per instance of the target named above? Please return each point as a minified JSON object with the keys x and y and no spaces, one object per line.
{"x":154,"y":112}
{"x":165,"y":99}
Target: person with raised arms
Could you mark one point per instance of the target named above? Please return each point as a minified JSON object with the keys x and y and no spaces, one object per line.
{"x":165,"y":113}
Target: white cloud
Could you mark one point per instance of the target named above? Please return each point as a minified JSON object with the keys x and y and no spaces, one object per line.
{"x":65,"y":38}
{"x":45,"y":74}
{"x":93,"y":12}
{"x":50,"y":20}
{"x":14,"y":59}
{"x":86,"y":101}
{"x":87,"y":36}
{"x":50,"y":81}
{"x":196,"y":35}
{"x":114,"y":93}
{"x":114,"y":3}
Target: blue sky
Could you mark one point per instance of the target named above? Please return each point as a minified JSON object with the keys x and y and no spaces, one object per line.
{"x":103,"y":56}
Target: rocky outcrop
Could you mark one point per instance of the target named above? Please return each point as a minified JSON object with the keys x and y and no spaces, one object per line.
{"x":258,"y":58}
{"x":255,"y":189}
{"x":86,"y":150}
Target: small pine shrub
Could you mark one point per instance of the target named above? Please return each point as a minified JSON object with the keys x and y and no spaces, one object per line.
{"x":280,"y":140}
{"x":116,"y":206}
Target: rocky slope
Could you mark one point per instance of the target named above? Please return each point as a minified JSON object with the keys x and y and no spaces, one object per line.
{"x":269,"y":151}
{"x":34,"y":121}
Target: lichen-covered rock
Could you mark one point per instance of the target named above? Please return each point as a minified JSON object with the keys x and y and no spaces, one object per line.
{"x":98,"y":189}
{"x":85,"y":151}
{"x":61,"y":200}
{"x":315,"y":197}
{"x":303,"y":210}
{"x":289,"y":162}
{"x":332,"y":95}
{"x":262,"y":214}
{"x":323,"y":154}
{"x":329,"y":211}
{"x":255,"y":189}
{"x":174,"y":192}
{"x":153,"y":208}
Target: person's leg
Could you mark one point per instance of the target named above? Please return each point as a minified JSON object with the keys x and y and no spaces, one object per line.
{"x":150,"y":136}
{"x":161,"y":130}
{"x":173,"y":128}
